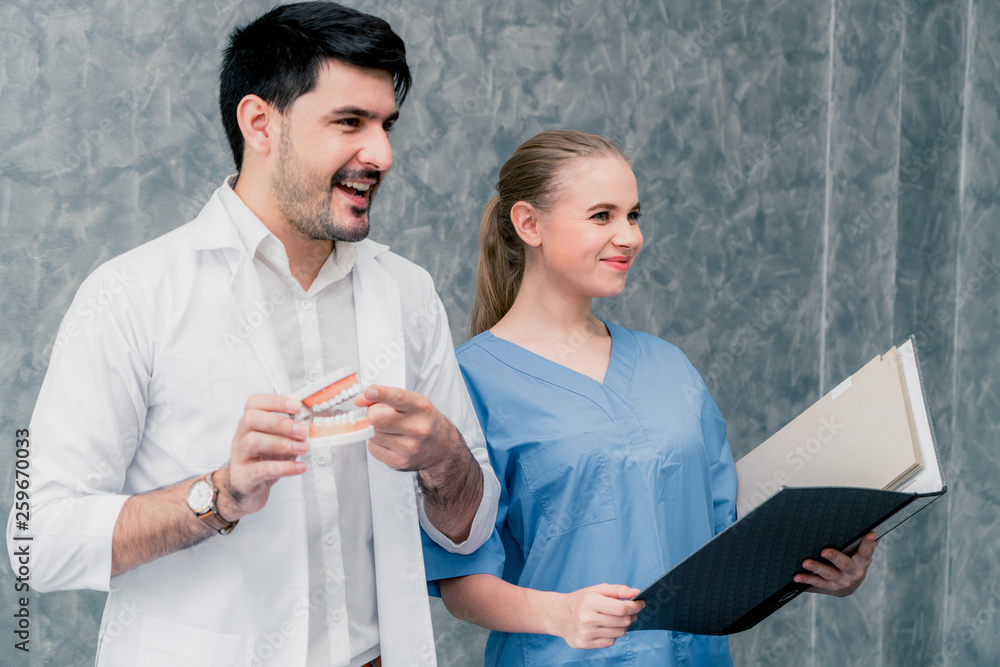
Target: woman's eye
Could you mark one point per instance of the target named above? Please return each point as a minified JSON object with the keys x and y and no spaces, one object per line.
{"x":634,"y":216}
{"x":601,"y":215}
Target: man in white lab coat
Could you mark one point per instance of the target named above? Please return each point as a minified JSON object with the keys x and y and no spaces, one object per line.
{"x":163,"y":420}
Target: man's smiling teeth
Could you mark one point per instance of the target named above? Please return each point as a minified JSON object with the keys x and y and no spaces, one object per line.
{"x":360,"y":187}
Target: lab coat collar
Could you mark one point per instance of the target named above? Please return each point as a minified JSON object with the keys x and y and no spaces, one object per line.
{"x":370,"y":249}
{"x":213,"y":230}
{"x":250,"y":229}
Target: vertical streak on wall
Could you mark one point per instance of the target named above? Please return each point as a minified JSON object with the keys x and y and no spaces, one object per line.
{"x":928,"y":220}
{"x":826,"y":211}
{"x":826,"y":255}
{"x":972,"y":630}
{"x":861,"y":267}
{"x":887,"y":553}
{"x":966,"y":103}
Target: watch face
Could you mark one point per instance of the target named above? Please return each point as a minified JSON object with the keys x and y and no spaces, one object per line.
{"x":199,"y":497}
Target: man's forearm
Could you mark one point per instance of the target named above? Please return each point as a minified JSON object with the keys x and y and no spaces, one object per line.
{"x":453,"y":492}
{"x":152,"y":525}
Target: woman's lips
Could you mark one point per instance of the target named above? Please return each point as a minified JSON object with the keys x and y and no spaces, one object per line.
{"x":618,"y":263}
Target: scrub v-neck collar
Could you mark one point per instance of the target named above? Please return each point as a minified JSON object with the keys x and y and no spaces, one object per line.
{"x":617,"y":377}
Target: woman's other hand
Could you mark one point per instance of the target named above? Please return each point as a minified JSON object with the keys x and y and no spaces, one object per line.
{"x":844,"y":574}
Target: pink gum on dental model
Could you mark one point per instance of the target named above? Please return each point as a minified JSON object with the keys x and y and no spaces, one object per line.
{"x":331,"y":392}
{"x":317,"y":431}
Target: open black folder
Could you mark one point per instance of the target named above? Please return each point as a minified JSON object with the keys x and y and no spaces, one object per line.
{"x":797,"y":497}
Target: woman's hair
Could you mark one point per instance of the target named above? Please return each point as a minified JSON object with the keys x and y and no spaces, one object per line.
{"x":530,"y":175}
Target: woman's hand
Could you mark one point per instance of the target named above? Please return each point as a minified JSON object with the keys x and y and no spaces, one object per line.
{"x":844,"y":575}
{"x":594,"y":617}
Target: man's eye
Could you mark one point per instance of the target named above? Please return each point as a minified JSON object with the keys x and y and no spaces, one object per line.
{"x":351,"y":122}
{"x":388,"y":127}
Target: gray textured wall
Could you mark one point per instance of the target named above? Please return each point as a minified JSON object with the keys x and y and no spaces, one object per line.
{"x":819,"y":180}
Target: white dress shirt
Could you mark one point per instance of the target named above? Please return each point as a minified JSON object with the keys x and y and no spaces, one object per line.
{"x":318,"y":334}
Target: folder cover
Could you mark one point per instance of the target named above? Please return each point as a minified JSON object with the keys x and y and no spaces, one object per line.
{"x":744,"y":574}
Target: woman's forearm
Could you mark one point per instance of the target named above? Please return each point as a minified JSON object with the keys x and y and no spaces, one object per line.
{"x":494,"y":604}
{"x":592,"y":617}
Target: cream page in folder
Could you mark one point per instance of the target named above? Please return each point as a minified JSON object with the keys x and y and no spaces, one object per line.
{"x":861,"y":434}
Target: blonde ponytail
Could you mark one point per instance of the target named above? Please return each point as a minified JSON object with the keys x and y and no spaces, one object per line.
{"x":501,"y":266}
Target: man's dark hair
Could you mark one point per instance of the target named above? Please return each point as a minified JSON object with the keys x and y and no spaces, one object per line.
{"x":278,"y":57}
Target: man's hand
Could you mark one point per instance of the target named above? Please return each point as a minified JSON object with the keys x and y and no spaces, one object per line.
{"x":595,"y":617}
{"x":264,"y":451}
{"x":412,"y":435}
{"x":844,"y":575}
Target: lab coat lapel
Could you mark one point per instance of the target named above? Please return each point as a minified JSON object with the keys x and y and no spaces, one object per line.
{"x":255,"y":317}
{"x":214,"y":232}
{"x":255,"y":312}
{"x":406,"y":635}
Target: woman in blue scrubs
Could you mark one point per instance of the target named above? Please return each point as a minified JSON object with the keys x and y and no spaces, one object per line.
{"x":612,"y":453}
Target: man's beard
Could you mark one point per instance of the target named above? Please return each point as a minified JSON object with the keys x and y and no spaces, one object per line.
{"x":304,"y":200}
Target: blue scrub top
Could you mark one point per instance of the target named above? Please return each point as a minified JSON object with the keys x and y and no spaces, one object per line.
{"x":602,"y":483}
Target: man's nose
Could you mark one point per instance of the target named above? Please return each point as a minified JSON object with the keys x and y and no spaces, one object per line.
{"x":376,"y":153}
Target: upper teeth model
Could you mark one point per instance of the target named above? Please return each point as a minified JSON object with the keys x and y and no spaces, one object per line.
{"x":331,"y":410}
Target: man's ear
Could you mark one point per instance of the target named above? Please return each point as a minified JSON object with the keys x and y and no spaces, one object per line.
{"x":258,"y":122}
{"x":525,"y":219}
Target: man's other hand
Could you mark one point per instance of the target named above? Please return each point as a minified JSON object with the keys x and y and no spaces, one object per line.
{"x":410,"y":433}
{"x":265,"y":447}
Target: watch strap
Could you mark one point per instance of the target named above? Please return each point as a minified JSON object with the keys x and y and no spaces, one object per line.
{"x":210,"y":517}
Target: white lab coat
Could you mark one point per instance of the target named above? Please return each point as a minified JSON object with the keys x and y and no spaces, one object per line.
{"x":148,"y":379}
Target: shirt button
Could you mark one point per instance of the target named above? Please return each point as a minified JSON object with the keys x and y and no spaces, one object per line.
{"x":330,"y":539}
{"x":313,"y":376}
{"x":337,"y":616}
{"x":306,"y":304}
{"x":321,"y":460}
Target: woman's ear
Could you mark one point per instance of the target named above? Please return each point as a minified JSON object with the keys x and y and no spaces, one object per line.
{"x":524,"y":216}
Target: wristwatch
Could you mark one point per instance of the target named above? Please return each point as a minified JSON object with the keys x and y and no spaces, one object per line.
{"x":201,"y":499}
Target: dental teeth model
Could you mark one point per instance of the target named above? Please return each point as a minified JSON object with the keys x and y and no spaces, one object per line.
{"x":329,"y":407}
